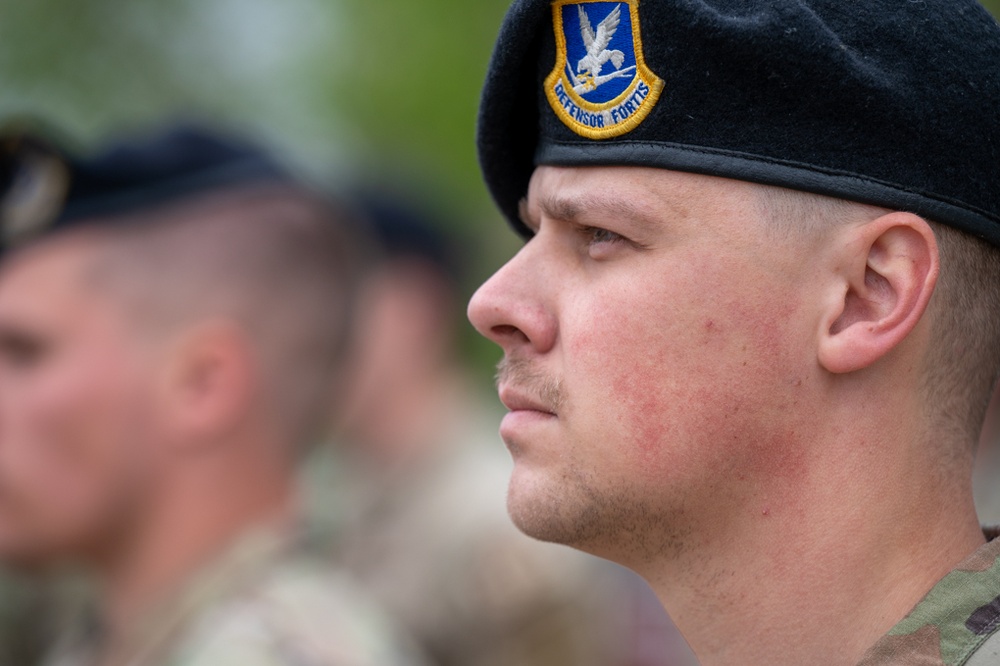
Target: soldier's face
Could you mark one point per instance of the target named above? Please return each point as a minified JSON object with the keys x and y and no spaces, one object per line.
{"x":656,"y":337}
{"x":73,"y":401}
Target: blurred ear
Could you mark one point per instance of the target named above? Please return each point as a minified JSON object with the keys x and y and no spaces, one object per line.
{"x":888,"y":272}
{"x":211,"y":381}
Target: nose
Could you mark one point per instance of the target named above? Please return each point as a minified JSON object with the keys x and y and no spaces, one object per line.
{"x":513,"y":308}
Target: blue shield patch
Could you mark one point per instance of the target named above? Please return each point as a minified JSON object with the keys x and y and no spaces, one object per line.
{"x":600,"y":86}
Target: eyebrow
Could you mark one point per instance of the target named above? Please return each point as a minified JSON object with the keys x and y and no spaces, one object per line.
{"x":561,"y":208}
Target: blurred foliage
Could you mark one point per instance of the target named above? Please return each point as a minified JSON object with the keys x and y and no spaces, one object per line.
{"x":413,"y":82}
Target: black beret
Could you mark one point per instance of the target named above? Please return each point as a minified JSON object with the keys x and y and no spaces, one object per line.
{"x":894,"y":103}
{"x":47,"y":188}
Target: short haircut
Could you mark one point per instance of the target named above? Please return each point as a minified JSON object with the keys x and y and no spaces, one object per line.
{"x":963,"y":362}
{"x":280,"y":261}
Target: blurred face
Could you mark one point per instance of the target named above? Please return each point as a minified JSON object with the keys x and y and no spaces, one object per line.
{"x":656,"y":341}
{"x":73,"y":396}
{"x":401,"y":337}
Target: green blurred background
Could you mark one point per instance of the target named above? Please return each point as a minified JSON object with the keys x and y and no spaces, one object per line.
{"x":344,"y":88}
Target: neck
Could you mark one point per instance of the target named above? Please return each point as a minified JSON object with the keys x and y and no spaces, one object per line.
{"x":826,"y":566}
{"x":184,"y":528}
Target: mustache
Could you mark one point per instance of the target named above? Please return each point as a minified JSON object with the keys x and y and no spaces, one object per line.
{"x":521,"y":373}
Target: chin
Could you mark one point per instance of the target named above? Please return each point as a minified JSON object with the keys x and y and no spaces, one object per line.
{"x":569,"y":508}
{"x":554,"y":507}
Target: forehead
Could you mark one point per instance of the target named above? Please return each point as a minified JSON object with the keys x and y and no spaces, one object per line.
{"x":47,"y":280}
{"x":640,"y":192}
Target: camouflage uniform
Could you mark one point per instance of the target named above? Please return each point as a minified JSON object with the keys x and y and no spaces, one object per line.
{"x":25,"y":613}
{"x":261,"y":604}
{"x":956,"y":623}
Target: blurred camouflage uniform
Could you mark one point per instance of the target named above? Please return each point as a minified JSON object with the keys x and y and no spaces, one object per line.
{"x":263,"y":603}
{"x":25,"y":611}
{"x":956,"y":622}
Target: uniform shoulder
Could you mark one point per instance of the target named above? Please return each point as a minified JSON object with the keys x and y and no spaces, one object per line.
{"x":955,"y":624}
{"x":300,"y":612}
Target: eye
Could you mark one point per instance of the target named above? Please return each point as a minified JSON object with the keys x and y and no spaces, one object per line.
{"x":601,"y":243}
{"x":22,"y":352}
{"x":596,"y":235}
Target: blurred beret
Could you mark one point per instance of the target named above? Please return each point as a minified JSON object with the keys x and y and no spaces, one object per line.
{"x":886,"y":102}
{"x":45,"y":187}
{"x":407,"y":228}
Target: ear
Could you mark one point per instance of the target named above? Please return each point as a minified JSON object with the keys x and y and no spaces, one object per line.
{"x":211,"y":381}
{"x":889,"y":273}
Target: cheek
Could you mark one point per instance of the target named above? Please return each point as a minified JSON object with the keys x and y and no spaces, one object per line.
{"x":687,"y":375}
{"x":67,"y":448}
{"x":76,"y":411}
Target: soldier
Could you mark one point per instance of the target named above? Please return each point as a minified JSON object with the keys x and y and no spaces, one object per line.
{"x":167,"y":346}
{"x":752,"y":333}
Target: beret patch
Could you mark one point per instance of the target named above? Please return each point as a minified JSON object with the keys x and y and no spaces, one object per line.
{"x":600,"y":86}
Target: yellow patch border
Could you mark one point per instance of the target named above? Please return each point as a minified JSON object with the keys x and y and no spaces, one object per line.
{"x":643,"y":74}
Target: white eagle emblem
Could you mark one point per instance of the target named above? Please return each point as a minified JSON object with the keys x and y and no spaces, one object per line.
{"x":588,"y":71}
{"x":600,"y":85}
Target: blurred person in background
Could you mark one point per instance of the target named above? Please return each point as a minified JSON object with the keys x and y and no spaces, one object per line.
{"x":166,"y":346}
{"x":413,"y":496}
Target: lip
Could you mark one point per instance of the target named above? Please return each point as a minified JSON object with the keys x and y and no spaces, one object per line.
{"x":517,"y":401}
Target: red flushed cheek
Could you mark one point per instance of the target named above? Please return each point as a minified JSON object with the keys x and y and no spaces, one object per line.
{"x":713,"y":396}
{"x":641,"y":396}
{"x":642,"y":419}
